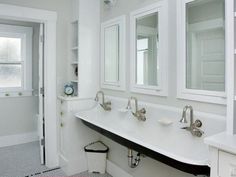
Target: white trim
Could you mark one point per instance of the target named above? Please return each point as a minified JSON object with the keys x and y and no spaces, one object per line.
{"x":115,"y":171}
{"x":17,"y":93}
{"x":12,"y":140}
{"x":49,"y":19}
{"x":182,"y":91}
{"x":162,"y":90}
{"x":230,"y":66}
{"x":120,"y":85}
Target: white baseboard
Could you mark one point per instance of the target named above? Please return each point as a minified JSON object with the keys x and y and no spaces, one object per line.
{"x":18,"y":139}
{"x":115,"y":170}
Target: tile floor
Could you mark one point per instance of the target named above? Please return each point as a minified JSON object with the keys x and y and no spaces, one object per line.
{"x":24,"y":161}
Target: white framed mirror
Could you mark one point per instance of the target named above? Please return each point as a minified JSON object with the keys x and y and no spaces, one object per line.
{"x":148,"y":65}
{"x":201,"y":51}
{"x":113,"y":67}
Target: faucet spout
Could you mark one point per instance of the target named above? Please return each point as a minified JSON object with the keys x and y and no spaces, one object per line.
{"x":97,"y":96}
{"x":105,"y":105}
{"x":194,"y":126}
{"x":139,"y":114}
{"x":184,"y":114}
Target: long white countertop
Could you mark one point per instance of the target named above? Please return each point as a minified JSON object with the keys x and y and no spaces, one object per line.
{"x":222,"y":141}
{"x":171,"y":141}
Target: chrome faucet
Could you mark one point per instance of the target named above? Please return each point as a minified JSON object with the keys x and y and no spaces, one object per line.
{"x":139,"y":114}
{"x":105,"y":105}
{"x":194,"y":126}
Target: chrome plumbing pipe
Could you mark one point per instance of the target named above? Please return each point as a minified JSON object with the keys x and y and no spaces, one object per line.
{"x":133,"y":163}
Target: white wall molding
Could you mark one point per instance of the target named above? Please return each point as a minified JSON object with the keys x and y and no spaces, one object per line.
{"x":115,"y":170}
{"x":12,"y":140}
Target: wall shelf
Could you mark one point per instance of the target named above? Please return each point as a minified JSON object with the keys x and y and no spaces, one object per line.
{"x":74,"y":81}
{"x":74,"y":62}
{"x":74,"y":22}
{"x":75,"y":48}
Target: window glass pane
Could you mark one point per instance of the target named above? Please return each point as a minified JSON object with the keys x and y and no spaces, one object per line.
{"x":10,"y":76}
{"x":10,"y":49}
{"x":205,"y":45}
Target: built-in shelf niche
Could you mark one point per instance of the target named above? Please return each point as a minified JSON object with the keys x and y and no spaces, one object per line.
{"x":74,"y":55}
{"x":75,"y":28}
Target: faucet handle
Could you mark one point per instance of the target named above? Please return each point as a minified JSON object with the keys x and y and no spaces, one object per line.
{"x":143,"y":111}
{"x":108,"y":103}
{"x":197,"y":132}
{"x":198,"y":123}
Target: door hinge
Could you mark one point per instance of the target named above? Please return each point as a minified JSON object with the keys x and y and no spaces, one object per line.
{"x":42,"y":91}
{"x":42,"y":142}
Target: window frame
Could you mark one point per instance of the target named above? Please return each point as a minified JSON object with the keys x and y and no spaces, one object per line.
{"x":183,"y":92}
{"x":161,"y":8}
{"x":25,"y":33}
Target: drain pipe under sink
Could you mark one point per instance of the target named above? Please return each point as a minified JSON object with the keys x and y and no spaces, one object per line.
{"x":133,"y":163}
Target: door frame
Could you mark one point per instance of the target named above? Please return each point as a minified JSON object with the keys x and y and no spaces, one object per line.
{"x":49,"y":19}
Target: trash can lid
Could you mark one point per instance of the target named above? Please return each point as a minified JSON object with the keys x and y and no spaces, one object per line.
{"x":98,"y":147}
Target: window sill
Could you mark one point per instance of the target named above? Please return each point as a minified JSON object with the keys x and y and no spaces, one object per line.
{"x":12,"y":94}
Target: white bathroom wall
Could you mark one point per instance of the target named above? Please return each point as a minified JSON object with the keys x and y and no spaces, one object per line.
{"x":124,"y":7}
{"x":18,"y":115}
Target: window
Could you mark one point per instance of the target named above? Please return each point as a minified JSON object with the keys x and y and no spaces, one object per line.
{"x":15,"y":60}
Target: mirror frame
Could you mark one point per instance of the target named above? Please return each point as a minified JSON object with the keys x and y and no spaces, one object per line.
{"x":183,"y":92}
{"x":162,"y":88}
{"x":121,"y":84}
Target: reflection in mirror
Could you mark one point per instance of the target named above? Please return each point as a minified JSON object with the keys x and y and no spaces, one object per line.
{"x":147,"y":50}
{"x":205,"y":45}
{"x":111,"y":54}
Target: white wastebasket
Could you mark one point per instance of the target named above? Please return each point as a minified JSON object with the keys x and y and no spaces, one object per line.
{"x":96,"y":156}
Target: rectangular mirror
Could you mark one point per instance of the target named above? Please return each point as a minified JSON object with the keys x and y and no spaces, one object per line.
{"x":113,"y":54}
{"x":205,"y":34}
{"x":203,"y":54}
{"x":148,"y":50}
{"x":147,"y":66}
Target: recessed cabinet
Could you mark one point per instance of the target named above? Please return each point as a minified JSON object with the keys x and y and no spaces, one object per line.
{"x":149,"y":49}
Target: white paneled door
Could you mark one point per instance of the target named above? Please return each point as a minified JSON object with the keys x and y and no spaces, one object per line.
{"x":207,"y":53}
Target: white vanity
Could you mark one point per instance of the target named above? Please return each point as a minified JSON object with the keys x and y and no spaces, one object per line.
{"x":222,"y":155}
